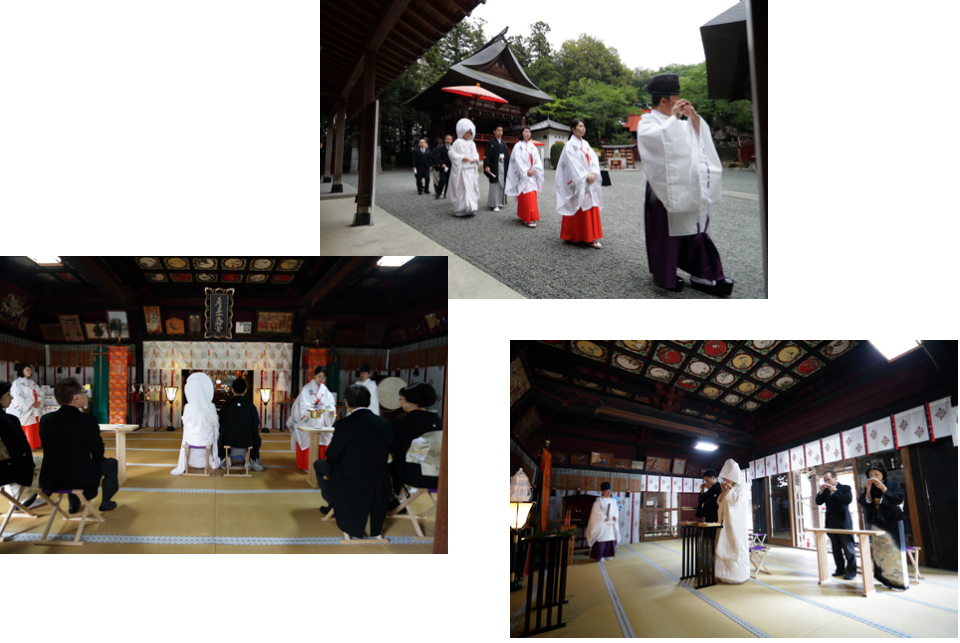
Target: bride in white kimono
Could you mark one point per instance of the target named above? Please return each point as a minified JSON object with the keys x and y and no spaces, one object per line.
{"x":201,"y":425}
{"x":733,"y":558}
{"x":463,"y":189}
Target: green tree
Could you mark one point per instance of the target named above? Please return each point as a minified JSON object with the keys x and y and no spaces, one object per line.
{"x":603,"y":107}
{"x":461,"y":41}
{"x":587,"y":58}
{"x":693,"y":87}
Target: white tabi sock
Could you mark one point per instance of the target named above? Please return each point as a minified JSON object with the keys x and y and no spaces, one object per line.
{"x":706,"y":282}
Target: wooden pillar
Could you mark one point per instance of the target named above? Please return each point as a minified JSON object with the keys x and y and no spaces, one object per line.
{"x":328,"y":161}
{"x":338,"y":159}
{"x":440,"y":527}
{"x":368,"y":141}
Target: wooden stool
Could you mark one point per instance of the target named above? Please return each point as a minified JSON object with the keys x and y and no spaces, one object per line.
{"x":913,"y":554}
{"x":89,"y":515}
{"x":416,"y":518}
{"x":347,"y":540}
{"x":206,"y":462}
{"x":757,"y":556}
{"x":14,"y":504}
{"x":246,"y":462}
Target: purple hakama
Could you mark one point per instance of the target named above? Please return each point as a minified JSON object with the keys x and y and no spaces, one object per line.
{"x":606,"y":549}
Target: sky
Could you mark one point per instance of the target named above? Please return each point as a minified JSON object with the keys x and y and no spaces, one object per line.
{"x":646,"y":34}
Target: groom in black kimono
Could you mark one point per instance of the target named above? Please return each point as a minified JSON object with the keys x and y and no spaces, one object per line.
{"x":707,"y":506}
{"x":496,"y":160}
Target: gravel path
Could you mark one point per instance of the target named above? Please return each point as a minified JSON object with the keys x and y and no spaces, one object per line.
{"x":537,"y":264}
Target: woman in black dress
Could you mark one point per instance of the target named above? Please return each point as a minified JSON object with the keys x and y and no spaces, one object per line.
{"x":881,"y":499}
{"x":414,"y":400}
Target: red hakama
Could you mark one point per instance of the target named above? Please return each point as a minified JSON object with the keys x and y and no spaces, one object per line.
{"x":32,"y":432}
{"x":303,"y":457}
{"x":527,"y":207}
{"x":583,"y":226}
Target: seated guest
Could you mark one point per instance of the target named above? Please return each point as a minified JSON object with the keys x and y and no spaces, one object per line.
{"x":354,"y":479}
{"x":707,"y":501}
{"x":201,"y":425}
{"x":414,"y":400}
{"x":17,"y":467}
{"x":73,"y":449}
{"x":240,"y":426}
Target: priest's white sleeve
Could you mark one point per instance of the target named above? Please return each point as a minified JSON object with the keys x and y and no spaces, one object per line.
{"x":667,"y":157}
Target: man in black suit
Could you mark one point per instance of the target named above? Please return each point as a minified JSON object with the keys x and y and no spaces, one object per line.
{"x":837,"y":497}
{"x":496,"y":160}
{"x":441,"y":160}
{"x":354,"y":479}
{"x":707,"y":506}
{"x":240,"y":426}
{"x":421,"y":161}
{"x":73,"y":449}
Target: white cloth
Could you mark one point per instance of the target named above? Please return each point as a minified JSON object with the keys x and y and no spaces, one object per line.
{"x":853,"y":446}
{"x":832,"y":449}
{"x":733,"y":555}
{"x":577,"y":162}
{"x":770,"y":466}
{"x":524,"y":158}
{"x":374,"y":398}
{"x":796,"y":458}
{"x":201,"y":425}
{"x":22,"y":390}
{"x":880,"y":435}
{"x":912,"y":426}
{"x":463,"y":189}
{"x":813,"y":454}
{"x":599,"y":529}
{"x":313,"y":397}
{"x":682,"y":167}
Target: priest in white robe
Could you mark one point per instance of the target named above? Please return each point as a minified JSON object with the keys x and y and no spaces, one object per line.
{"x":732,"y":553}
{"x":683,"y":172}
{"x":313,"y":397}
{"x":525,"y":178}
{"x":367,"y":381}
{"x":463,"y":190}
{"x":201,"y":424}
{"x":603,"y":529}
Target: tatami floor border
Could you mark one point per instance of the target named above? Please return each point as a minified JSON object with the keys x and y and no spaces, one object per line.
{"x":626,"y":628}
{"x":202,"y":540}
{"x":152,"y":464}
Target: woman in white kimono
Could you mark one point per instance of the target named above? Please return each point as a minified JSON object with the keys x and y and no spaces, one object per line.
{"x":463,"y":189}
{"x":577,"y":186}
{"x":27,"y":404}
{"x":525,"y":179}
{"x":603,"y":529}
{"x":733,"y":557}
{"x":201,"y":425}
{"x":315,"y":396}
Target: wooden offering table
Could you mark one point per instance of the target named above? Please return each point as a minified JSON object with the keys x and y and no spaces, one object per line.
{"x":120,"y":430}
{"x":699,"y":542}
{"x":866,"y":560}
{"x":314,"y":452}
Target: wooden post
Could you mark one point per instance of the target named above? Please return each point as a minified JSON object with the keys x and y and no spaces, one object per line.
{"x":866,"y":565}
{"x":328,"y":162}
{"x":368,"y":140}
{"x":338,"y":159}
{"x":440,"y":528}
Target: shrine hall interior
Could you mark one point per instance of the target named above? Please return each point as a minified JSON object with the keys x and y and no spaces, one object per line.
{"x":132,"y":330}
{"x":650,"y":416}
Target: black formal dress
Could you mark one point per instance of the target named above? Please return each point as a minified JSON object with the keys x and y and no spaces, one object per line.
{"x":73,"y":454}
{"x":888,"y":551}
{"x":356,"y":465}
{"x":838,"y":517}
{"x":406,"y":429}
{"x":422,"y":161}
{"x":16,"y":461}
{"x":441,"y":157}
{"x":707,"y":506}
{"x":239,"y":426}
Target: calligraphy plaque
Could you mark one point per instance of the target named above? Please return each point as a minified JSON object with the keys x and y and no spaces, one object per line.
{"x":218,"y":313}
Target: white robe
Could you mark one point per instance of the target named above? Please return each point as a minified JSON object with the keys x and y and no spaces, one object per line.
{"x":22,"y":390}
{"x":313,"y":397}
{"x":733,"y":555}
{"x":201,"y":424}
{"x":520,"y":163}
{"x":577,"y":162}
{"x":463,"y":189}
{"x":374,"y":398}
{"x":600,"y":530}
{"x":682,"y":167}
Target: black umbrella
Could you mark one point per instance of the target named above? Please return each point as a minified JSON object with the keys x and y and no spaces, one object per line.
{"x":728,"y":59}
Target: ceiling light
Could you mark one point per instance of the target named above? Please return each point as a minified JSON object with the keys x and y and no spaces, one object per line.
{"x":46,"y":261}
{"x":392,"y":262}
{"x":894,"y":348}
{"x":705,"y":446}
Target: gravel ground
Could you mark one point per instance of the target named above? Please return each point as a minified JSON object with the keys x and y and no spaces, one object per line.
{"x":537,"y":264}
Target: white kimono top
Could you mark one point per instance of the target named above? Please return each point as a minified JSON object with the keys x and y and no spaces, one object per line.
{"x":733,"y":555}
{"x":23,"y":391}
{"x":599,"y":529}
{"x":313,"y":397}
{"x":463,"y":189}
{"x":682,"y":167}
{"x":201,"y":424}
{"x":577,"y":162}
{"x":524,"y":158}
{"x":374,"y":398}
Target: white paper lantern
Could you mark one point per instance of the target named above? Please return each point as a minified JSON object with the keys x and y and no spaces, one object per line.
{"x":520,"y":487}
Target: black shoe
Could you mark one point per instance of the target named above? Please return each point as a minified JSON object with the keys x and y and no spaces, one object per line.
{"x":848,"y":576}
{"x":26,"y":503}
{"x":437,"y":197}
{"x":677,"y":288}
{"x":325,"y":510}
{"x":720,"y":289}
{"x":839,"y":574}
{"x":73,"y":508}
{"x":264,"y":430}
{"x":108,"y":505}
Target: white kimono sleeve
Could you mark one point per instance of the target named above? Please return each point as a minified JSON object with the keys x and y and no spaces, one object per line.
{"x":517,"y":180}
{"x":570,"y":181}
